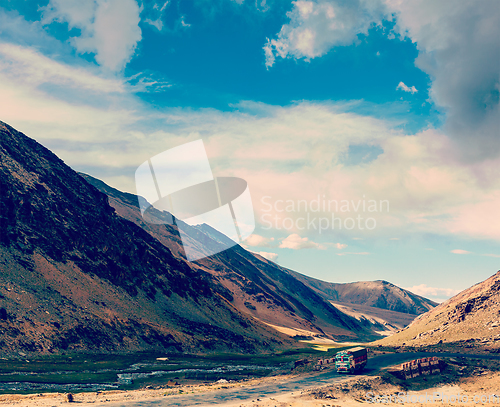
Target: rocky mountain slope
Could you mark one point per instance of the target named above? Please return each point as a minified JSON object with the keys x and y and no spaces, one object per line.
{"x":378,"y":294}
{"x":76,"y":276}
{"x":259,"y":287}
{"x":80,"y":274}
{"x":381,"y":321}
{"x":253,"y":281}
{"x":472,"y":315}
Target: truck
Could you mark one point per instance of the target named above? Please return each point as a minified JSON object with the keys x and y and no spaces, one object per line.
{"x":351,"y":360}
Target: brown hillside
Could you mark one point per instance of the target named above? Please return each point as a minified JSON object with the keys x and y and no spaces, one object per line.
{"x":259,"y":288}
{"x":75,"y":276}
{"x":473,"y":314}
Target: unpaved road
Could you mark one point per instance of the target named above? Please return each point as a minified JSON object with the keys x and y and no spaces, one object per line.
{"x":298,"y":384}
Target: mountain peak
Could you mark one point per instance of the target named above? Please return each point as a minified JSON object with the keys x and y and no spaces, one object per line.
{"x":379,"y":293}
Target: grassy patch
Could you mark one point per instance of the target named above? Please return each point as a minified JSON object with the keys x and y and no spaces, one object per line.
{"x":104,"y":368}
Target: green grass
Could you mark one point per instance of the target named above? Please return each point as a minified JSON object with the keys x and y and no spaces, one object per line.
{"x":104,"y":368}
{"x":78,"y":378}
{"x":73,"y":362}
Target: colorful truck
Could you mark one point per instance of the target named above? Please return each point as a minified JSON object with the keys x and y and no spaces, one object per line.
{"x":351,"y":360}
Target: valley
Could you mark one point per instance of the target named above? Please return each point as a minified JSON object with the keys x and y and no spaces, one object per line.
{"x":97,"y":302}
{"x":464,"y":374}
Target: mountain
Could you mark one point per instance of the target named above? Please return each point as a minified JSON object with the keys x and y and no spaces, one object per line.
{"x":381,"y":321}
{"x":473,"y":314}
{"x":259,"y":287}
{"x":379,"y":294}
{"x":82,"y":271}
{"x":76,"y":276}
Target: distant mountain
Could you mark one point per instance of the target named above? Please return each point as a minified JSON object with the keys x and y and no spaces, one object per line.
{"x":378,"y":294}
{"x":473,"y":314}
{"x":258,"y":287}
{"x":76,"y":276}
{"x":381,"y":321}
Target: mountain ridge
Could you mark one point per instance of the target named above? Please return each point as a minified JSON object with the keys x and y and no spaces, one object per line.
{"x":378,"y":293}
{"x":83,"y":271}
{"x":473,"y":314}
{"x":61,"y":244}
{"x":264,"y":289}
{"x":380,"y":323}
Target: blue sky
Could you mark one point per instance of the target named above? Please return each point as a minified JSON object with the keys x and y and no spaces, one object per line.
{"x":346,"y":100}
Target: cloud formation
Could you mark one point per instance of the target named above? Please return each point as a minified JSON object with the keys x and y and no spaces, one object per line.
{"x":458,"y":43}
{"x":426,"y":291}
{"x":109,"y":28}
{"x":29,"y":66}
{"x":353,"y":253}
{"x":255,"y":240}
{"x":317,"y":26}
{"x":459,"y":251}
{"x":295,"y":242}
{"x":459,"y":47}
{"x":402,"y":86}
{"x":293,"y":152}
{"x":155,"y":14}
{"x":269,"y":256}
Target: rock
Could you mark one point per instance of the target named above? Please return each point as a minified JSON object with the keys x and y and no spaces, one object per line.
{"x":173,"y":383}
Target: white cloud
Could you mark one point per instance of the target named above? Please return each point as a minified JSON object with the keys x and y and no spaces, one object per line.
{"x":269,"y":256}
{"x":75,"y":12}
{"x":183,"y":23}
{"x":353,"y":253}
{"x":284,"y":152}
{"x":109,"y":28}
{"x":402,"y":86}
{"x":295,"y":242}
{"x":339,"y":246}
{"x":158,"y":24}
{"x":459,"y":251}
{"x":50,"y":100}
{"x":255,"y":240}
{"x":459,"y":47}
{"x":155,"y":14}
{"x":427,"y":291}
{"x":30,"y":67}
{"x":316,"y":26}
{"x":294,"y":152}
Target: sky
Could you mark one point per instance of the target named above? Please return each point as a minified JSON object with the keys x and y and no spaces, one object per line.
{"x":368,"y":131}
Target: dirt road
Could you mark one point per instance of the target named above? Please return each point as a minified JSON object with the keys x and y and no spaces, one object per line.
{"x":298,"y":384}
